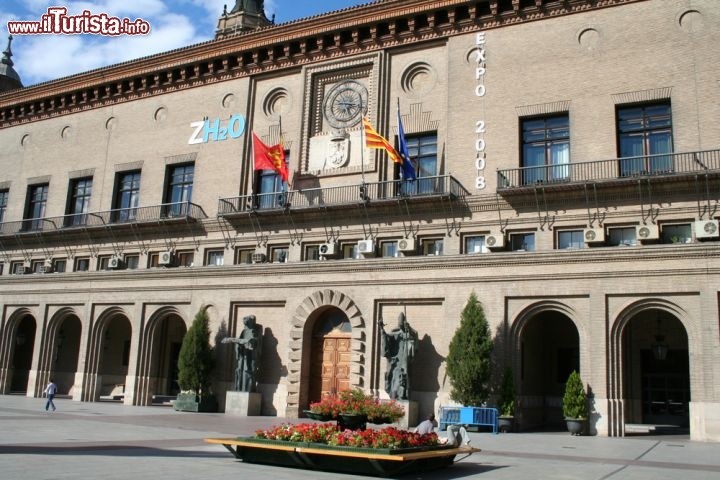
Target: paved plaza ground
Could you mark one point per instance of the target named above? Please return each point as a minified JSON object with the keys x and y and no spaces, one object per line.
{"x":114,"y":441}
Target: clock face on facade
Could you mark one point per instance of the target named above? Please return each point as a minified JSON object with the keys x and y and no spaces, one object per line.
{"x":345,"y":104}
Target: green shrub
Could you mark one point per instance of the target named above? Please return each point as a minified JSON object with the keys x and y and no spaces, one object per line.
{"x":506,"y":404}
{"x":195,"y":362}
{"x":574,"y":400}
{"x":468,"y":363}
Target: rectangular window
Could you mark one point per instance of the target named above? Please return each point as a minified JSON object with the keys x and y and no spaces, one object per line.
{"x":79,"y":201}
{"x":475,"y":244}
{"x":644,"y":137}
{"x":423,"y":153}
{"x":279,"y":254}
{"x":522,"y":242}
{"x":2,"y":268}
{"x":132,"y":262}
{"x":35,"y":209}
{"x":243,"y":256}
{"x":545,"y":149}
{"x":312,"y":252}
{"x":185,"y":258}
{"x":570,"y":239}
{"x":270,"y":188}
{"x":82,"y":265}
{"x":215,"y":257}
{"x":59,"y":265}
{"x":3,"y":204}
{"x":179,"y":190}
{"x":389,"y":248}
{"x":154,"y":260}
{"x":679,"y":233}
{"x":127,"y":195}
{"x":37,"y":266}
{"x":17,"y":267}
{"x":432,"y":246}
{"x":103,"y":262}
{"x":350,"y":251}
{"x":624,"y":236}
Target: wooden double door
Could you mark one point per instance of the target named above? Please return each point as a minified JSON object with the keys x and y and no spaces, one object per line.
{"x":330,"y":358}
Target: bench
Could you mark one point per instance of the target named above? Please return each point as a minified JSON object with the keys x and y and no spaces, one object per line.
{"x":469,"y":417}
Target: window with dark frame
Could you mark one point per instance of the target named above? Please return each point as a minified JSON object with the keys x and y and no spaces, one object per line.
{"x":545,"y":148}
{"x":4,"y":194}
{"x":645,"y":139}
{"x":179,"y":190}
{"x":622,"y":236}
{"x":79,"y":201}
{"x":243,"y":256}
{"x":35,"y":209}
{"x":127,"y":196}
{"x":570,"y":239}
{"x":215,"y":257}
{"x":270,"y":187}
{"x":522,"y":242}
{"x":422,"y":150}
{"x":676,"y":233}
{"x":475,"y":244}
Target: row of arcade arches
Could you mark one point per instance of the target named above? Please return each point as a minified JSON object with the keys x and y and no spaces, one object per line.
{"x":648,"y":379}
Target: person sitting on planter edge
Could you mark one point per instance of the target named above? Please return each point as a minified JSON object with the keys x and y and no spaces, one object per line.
{"x":457,"y":434}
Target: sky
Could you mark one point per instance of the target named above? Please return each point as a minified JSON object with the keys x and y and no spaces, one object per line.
{"x":173,"y":24}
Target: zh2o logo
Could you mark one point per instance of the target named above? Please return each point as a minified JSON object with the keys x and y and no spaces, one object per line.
{"x":211,"y":131}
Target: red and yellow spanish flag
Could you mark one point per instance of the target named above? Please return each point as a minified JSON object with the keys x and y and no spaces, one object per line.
{"x":374,"y":140}
{"x":270,"y":158}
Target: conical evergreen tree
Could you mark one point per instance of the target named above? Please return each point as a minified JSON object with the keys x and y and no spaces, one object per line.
{"x":468,"y":363}
{"x":195,"y":362}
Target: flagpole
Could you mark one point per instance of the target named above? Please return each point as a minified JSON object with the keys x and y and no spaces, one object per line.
{"x":363,"y":191}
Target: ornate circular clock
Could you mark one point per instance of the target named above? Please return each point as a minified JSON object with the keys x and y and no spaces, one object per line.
{"x":345,"y":103}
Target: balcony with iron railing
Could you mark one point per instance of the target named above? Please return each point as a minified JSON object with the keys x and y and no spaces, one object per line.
{"x":114,"y":219}
{"x":663,"y":167}
{"x":375,"y":193}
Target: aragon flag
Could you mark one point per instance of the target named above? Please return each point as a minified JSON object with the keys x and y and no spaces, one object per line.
{"x":374,"y":140}
{"x":270,"y":158}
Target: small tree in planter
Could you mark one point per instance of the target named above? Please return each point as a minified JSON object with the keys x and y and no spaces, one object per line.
{"x":468,"y":363}
{"x":195,"y":364}
{"x":575,"y":407}
{"x":506,"y":402}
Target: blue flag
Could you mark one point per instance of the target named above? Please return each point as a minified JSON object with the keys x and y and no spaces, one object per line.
{"x":408,"y":171}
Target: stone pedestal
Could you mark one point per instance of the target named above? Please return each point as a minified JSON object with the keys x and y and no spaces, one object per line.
{"x":410,"y":420}
{"x":242,"y":404}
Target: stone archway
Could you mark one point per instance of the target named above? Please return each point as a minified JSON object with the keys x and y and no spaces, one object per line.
{"x":61,"y":351}
{"x":545,"y":347}
{"x":300,"y":345}
{"x":18,"y":349}
{"x":158,"y":355}
{"x":650,"y":381}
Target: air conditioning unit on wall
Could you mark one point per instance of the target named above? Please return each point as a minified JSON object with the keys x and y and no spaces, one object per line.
{"x":407,"y":245}
{"x":366,"y":247}
{"x":165,"y":258}
{"x":706,"y":229}
{"x":594,"y":235}
{"x":647,"y":232}
{"x":328,"y":249}
{"x":258,"y":256}
{"x":115,"y":262}
{"x":495,"y":240}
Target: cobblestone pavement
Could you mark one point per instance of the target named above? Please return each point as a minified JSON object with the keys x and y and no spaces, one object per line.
{"x":114,"y":441}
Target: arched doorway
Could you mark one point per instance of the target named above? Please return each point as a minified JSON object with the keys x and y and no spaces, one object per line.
{"x":64,"y":343}
{"x":22,"y":354}
{"x":167,"y":336}
{"x":656,"y":373}
{"x":549,"y":351}
{"x":330,"y":357}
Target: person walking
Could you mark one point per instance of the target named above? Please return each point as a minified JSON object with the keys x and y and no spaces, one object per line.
{"x":50,"y":390}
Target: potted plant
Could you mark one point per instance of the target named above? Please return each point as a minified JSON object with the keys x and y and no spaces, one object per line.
{"x":575,"y":408}
{"x":468,"y":363}
{"x":506,"y":403}
{"x":195,"y":364}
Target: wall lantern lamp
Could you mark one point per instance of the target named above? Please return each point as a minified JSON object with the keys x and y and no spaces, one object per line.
{"x":659,"y":348}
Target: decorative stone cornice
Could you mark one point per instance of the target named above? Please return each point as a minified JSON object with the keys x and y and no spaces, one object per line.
{"x":365,"y":28}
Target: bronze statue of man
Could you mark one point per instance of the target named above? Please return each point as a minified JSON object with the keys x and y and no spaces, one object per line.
{"x":398,"y":346}
{"x":248,"y":346}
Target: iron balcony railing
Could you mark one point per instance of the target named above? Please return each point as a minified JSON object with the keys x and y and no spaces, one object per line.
{"x":670,"y":164}
{"x":426,"y":187}
{"x":117,"y":217}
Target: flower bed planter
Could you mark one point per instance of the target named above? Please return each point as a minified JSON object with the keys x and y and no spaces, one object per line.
{"x":360,"y":461}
